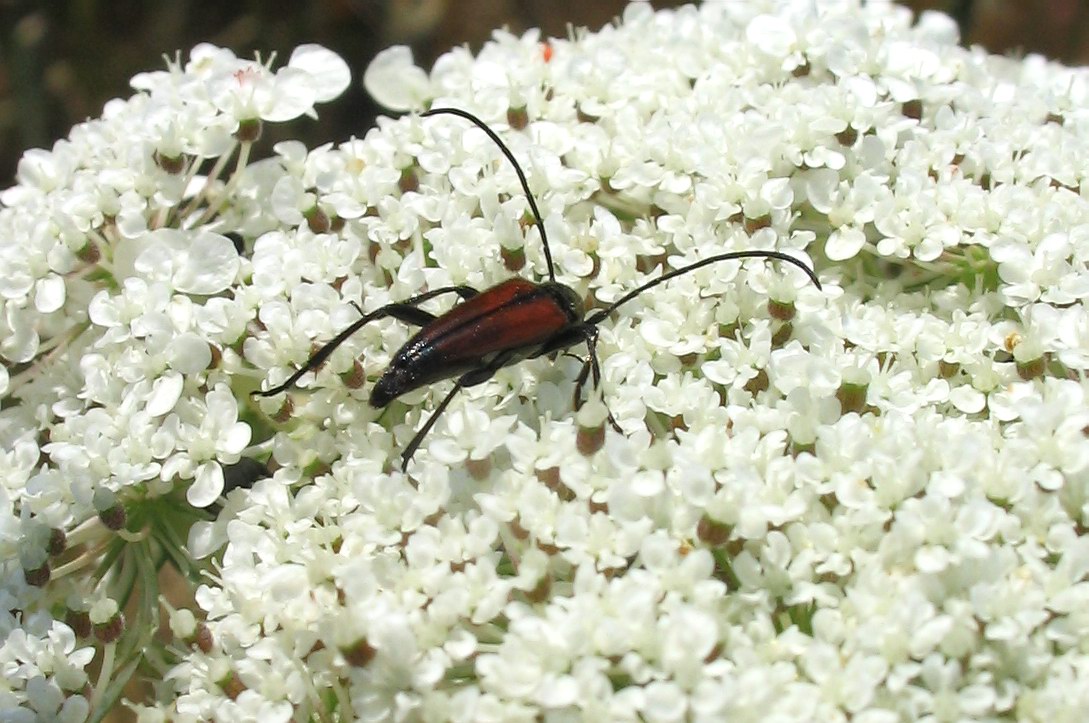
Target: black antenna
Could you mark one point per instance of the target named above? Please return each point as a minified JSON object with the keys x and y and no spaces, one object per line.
{"x":599,"y":315}
{"x":517,"y":169}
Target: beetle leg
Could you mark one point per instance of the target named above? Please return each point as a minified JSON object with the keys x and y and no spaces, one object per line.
{"x":591,"y":369}
{"x":410,"y":314}
{"x":405,"y":311}
{"x":469,"y":379}
{"x":580,"y":382}
{"x":464,"y":292}
{"x":419,"y":438}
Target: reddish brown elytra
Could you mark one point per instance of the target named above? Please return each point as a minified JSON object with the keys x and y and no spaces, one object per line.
{"x":514,"y":320}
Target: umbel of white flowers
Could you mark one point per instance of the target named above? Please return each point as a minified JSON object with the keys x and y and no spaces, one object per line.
{"x":867,"y":503}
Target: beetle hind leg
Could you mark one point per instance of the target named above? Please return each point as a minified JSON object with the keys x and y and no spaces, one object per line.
{"x":469,"y":379}
{"x":591,"y":369}
{"x":418,"y":439}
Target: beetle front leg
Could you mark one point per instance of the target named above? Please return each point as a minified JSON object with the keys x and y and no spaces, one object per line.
{"x":591,"y":367}
{"x":405,"y":311}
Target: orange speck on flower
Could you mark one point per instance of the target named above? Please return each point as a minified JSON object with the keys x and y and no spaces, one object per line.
{"x":546,"y":51}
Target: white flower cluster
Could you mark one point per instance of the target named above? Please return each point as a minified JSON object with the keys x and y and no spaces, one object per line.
{"x":119,"y":304}
{"x":868,"y":502}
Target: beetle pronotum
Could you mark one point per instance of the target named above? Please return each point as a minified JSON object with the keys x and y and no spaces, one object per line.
{"x":514,"y":320}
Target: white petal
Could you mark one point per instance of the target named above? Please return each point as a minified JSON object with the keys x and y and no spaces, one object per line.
{"x":205,"y":538}
{"x":235,"y":439}
{"x":20,"y":344}
{"x":446,"y":451}
{"x":284,"y":200}
{"x":394,"y":80}
{"x":189,"y":353}
{"x":648,"y":484}
{"x":285,"y":582}
{"x":207,"y":486}
{"x":777,"y":193}
{"x":937,"y":27}
{"x":131,"y":223}
{"x":658,"y":333}
{"x":289,"y":97}
{"x":719,"y":371}
{"x":821,"y":188}
{"x":49,"y":294}
{"x":165,"y":393}
{"x":102,"y":310}
{"x":771,"y":35}
{"x":928,"y":249}
{"x":931,"y":559}
{"x":967,"y":399}
{"x":208,"y":267}
{"x":329,"y":71}
{"x":155,"y":253}
{"x":844,"y":243}
{"x":15,"y":282}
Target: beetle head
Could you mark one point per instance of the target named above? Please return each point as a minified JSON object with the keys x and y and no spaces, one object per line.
{"x":567,"y":298}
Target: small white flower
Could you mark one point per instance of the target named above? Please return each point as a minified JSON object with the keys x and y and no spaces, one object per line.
{"x":211,"y":434}
{"x":206,"y":264}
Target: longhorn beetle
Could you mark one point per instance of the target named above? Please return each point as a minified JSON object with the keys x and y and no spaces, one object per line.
{"x":514,"y":320}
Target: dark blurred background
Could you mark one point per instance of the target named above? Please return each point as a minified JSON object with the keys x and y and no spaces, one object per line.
{"x":60,"y":61}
